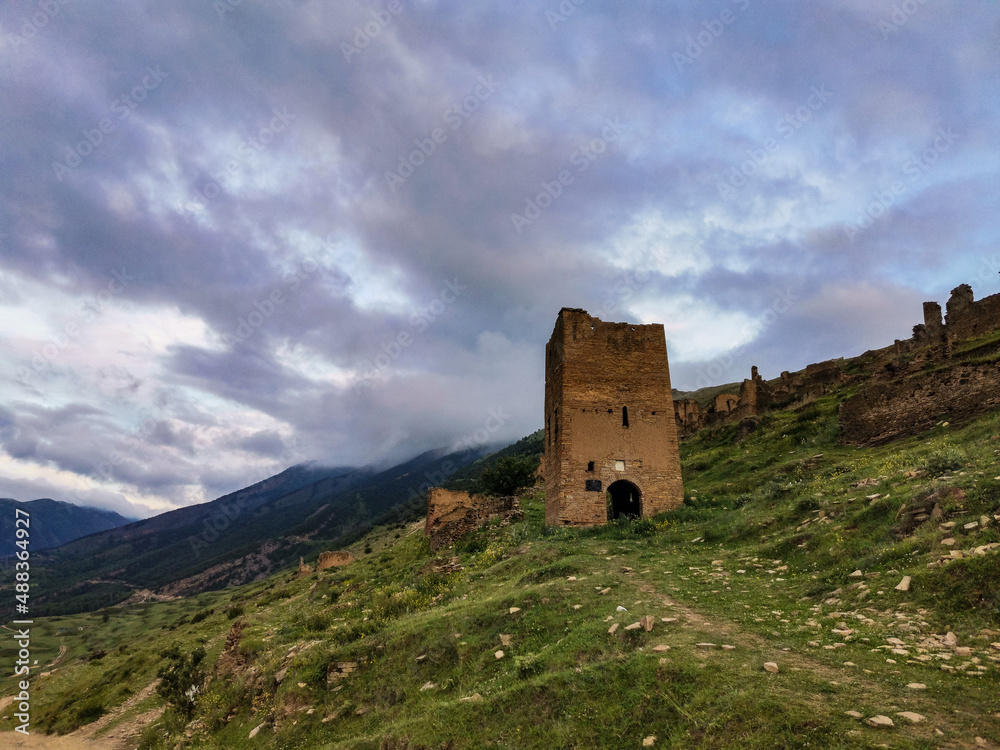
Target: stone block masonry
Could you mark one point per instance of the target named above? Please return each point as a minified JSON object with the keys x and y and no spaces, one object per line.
{"x":886,"y":411}
{"x":610,"y":430}
{"x":451,"y":515}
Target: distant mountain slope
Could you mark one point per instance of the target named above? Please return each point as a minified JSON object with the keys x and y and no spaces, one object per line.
{"x":237,"y":538}
{"x":53,"y":523}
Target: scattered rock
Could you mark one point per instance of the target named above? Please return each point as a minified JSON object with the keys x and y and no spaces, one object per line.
{"x":963,"y":651}
{"x":950,"y":640}
{"x":911,"y":716}
{"x":505,"y":639}
{"x":903,"y":585}
{"x":647,"y":623}
{"x":704,"y":645}
{"x":727,"y":647}
{"x":771,"y":667}
{"x":634,"y":626}
{"x":256,"y":729}
{"x":660,"y":649}
{"x":279,"y":676}
{"x":498,"y":654}
{"x":856,"y":574}
{"x":473,"y":697}
{"x":612,"y":629}
{"x":621,"y":609}
{"x":604,"y":591}
{"x":880,"y":721}
{"x":514,"y":609}
{"x":854,"y":714}
{"x":669,"y":620}
{"x":427,"y":686}
{"x":917,"y":686}
{"x":649,"y":741}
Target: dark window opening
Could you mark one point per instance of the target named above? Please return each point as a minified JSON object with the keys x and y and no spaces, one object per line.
{"x":590,"y":465}
{"x":624,"y":500}
{"x":624,"y":416}
{"x":592,"y":485}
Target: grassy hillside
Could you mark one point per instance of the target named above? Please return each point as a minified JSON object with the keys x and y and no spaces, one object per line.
{"x":789,"y":550}
{"x":234,"y":539}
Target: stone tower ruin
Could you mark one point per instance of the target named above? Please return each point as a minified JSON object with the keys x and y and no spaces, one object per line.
{"x":610,"y":432}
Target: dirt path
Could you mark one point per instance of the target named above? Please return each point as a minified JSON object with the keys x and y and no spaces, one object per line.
{"x":724,"y":631}
{"x":124,"y":736}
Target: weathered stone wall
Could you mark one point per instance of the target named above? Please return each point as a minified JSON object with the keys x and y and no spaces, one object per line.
{"x":889,"y":410}
{"x":724,"y":403}
{"x":967,"y":318}
{"x":451,"y":515}
{"x":609,"y":416}
{"x":689,"y":415}
{"x":333,"y":559}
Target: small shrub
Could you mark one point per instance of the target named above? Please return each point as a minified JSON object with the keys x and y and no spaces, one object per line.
{"x":181,"y":681}
{"x":944,"y":461}
{"x":199,"y":616}
{"x":233,"y":612}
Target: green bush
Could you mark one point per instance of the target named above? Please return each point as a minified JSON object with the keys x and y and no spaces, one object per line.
{"x":944,"y":461}
{"x":181,"y":681}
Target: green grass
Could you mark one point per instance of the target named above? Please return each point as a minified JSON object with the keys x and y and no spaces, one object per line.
{"x":760,"y":557}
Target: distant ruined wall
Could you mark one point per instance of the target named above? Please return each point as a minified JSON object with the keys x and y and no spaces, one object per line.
{"x":889,"y":410}
{"x":333,"y":559}
{"x":451,"y":515}
{"x":967,"y":318}
{"x":904,"y":388}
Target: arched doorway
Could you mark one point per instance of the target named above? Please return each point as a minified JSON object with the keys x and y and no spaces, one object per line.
{"x":624,"y":500}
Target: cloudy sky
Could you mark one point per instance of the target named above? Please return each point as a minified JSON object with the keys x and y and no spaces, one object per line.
{"x":240,"y":234}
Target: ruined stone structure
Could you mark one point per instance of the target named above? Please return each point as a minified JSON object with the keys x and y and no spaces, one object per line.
{"x":906,"y":388}
{"x":610,"y":431}
{"x":333,"y":559}
{"x":887,"y":410}
{"x":452,"y":514}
